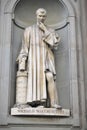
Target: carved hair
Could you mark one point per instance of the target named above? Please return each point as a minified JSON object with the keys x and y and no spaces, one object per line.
{"x":41,"y":10}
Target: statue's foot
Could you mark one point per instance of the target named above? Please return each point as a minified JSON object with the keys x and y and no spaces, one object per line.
{"x":56,"y":106}
{"x":40,"y":106}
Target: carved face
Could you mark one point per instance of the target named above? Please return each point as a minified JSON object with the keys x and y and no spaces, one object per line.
{"x":41,"y":16}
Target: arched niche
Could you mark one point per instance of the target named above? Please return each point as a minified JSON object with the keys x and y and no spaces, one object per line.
{"x":57,"y":14}
{"x":24,"y":13}
{"x":66,"y":58}
{"x":58,"y":18}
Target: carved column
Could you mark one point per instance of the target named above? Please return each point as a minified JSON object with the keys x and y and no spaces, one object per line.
{"x":21,"y":87}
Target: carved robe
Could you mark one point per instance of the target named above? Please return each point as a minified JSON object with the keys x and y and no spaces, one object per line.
{"x":37,"y":46}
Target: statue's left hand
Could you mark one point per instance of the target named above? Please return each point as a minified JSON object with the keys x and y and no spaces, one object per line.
{"x":42,"y":26}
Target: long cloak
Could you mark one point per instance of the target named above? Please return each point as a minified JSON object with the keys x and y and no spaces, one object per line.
{"x":37,"y":46}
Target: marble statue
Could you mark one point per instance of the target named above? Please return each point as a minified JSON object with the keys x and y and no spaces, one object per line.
{"x":36,"y":75}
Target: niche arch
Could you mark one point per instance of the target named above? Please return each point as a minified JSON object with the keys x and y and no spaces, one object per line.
{"x":11,"y":4}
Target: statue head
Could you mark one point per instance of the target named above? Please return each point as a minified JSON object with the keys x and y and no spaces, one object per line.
{"x":41,"y":15}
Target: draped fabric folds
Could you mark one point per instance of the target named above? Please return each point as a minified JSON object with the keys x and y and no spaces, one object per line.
{"x":37,"y":47}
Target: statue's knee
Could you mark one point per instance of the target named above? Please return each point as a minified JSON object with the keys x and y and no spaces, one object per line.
{"x":49,"y":76}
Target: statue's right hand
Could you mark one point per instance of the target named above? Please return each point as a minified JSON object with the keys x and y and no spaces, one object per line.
{"x":22,"y":64}
{"x":20,"y":58}
{"x":21,"y":61}
{"x":17,"y":59}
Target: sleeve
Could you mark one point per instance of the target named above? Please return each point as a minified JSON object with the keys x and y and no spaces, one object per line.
{"x":52,"y":39}
{"x":25,"y":44}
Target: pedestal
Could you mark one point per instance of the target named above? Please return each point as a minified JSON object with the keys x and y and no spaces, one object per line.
{"x":40,"y":112}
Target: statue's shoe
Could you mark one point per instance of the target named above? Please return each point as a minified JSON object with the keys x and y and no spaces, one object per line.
{"x":56,"y":106}
{"x":40,"y":106}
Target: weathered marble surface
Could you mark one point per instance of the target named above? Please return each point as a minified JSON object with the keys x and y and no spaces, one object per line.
{"x":40,"y":112}
{"x":36,"y":58}
{"x":21,"y":87}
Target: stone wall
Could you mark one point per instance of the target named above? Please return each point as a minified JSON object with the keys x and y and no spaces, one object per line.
{"x":72,"y":87}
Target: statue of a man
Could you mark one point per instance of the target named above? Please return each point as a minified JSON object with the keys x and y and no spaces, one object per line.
{"x":37,"y":58}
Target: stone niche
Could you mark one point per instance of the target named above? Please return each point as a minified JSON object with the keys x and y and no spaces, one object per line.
{"x":24,"y":15}
{"x":19,"y":14}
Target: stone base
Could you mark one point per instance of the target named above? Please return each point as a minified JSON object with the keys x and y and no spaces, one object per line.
{"x":40,"y":112}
